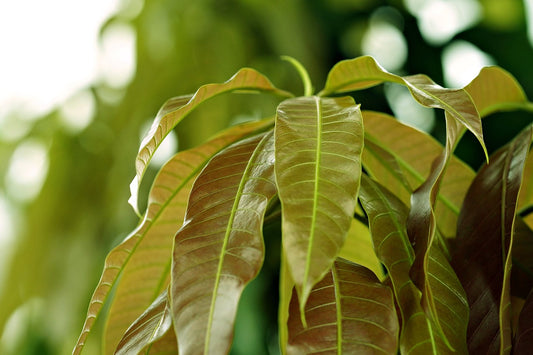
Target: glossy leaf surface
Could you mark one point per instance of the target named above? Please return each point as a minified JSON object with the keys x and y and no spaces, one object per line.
{"x":220,"y":248}
{"x":143,"y":258}
{"x":150,"y":327}
{"x":176,"y":109}
{"x":364,"y":72}
{"x":348,"y":312}
{"x":482,"y":259}
{"x":400,"y":157}
{"x":318,"y":167}
{"x":387,"y":219}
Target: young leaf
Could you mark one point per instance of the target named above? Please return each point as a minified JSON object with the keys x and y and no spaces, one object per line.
{"x":348,"y":312}
{"x":494,"y":89}
{"x":482,"y":259}
{"x":176,"y":109}
{"x":150,"y":327}
{"x":387,"y":220}
{"x":318,"y":167}
{"x":400,"y":157}
{"x":524,"y":334}
{"x":220,"y":248}
{"x":364,"y":72}
{"x":152,"y":241}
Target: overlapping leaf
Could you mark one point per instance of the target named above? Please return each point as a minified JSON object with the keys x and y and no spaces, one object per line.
{"x":482,"y":258}
{"x":364,"y":72}
{"x":318,"y":148}
{"x":494,"y":89}
{"x":174,"y":110}
{"x":220,"y":248}
{"x":348,"y":312}
{"x":387,"y":220}
{"x":150,"y":327}
{"x":144,"y":257}
{"x":400,"y":157}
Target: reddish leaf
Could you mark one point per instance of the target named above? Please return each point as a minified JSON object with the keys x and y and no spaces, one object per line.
{"x":348,"y":312}
{"x":484,"y":242}
{"x":523,"y":343}
{"x":220,"y":248}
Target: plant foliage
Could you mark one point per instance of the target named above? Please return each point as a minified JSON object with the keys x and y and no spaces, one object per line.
{"x":389,"y":242}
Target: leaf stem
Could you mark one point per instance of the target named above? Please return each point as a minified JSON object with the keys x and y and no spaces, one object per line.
{"x":304,"y":75}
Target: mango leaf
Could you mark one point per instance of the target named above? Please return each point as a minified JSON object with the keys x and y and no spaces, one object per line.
{"x":176,"y":109}
{"x":286,"y":285}
{"x":318,"y":167}
{"x":150,"y":327}
{"x":524,"y":335}
{"x":494,"y":89}
{"x":220,"y":248}
{"x":358,"y":248}
{"x":525,"y":199}
{"x":387,"y":220}
{"x":522,"y":252}
{"x":143,"y":258}
{"x":348,"y":312}
{"x":482,"y":258}
{"x":364,"y":72}
{"x":400,"y":157}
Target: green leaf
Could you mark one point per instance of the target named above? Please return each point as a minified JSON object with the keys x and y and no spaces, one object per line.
{"x":143,"y":258}
{"x":358,"y":249}
{"x":364,"y":72}
{"x":176,"y":109}
{"x":524,"y":334}
{"x":150,"y":327}
{"x":387,"y":219}
{"x":348,"y":312}
{"x":494,"y":89}
{"x":220,"y":248}
{"x":318,"y":167}
{"x":482,"y":259}
{"x":400,"y":157}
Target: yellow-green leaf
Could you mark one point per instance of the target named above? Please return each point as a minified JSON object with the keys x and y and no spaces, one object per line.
{"x":144,"y":257}
{"x":176,"y":109}
{"x":318,"y":166}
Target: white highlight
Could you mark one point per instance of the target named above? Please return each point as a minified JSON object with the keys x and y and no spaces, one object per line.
{"x":462,"y":62}
{"x":386,"y":44}
{"x":407,"y":110}
{"x":78,"y":111}
{"x":117,"y":55}
{"x":27,"y":170}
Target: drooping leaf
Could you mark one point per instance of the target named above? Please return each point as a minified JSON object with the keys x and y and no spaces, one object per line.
{"x":400,"y":157}
{"x":494,"y":89}
{"x":482,"y":259}
{"x":524,"y":335}
{"x":318,"y":166}
{"x":358,"y":248}
{"x":387,"y":219}
{"x":286,"y":286}
{"x":364,"y":72}
{"x":150,"y":327}
{"x":348,"y":312}
{"x":176,"y":109}
{"x":525,"y":199}
{"x":144,"y":257}
{"x":522,"y":253}
{"x":220,"y":248}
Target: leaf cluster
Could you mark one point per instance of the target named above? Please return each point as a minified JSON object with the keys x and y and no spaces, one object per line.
{"x":390,"y":243}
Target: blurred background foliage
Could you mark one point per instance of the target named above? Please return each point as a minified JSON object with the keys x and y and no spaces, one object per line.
{"x":64,"y":175}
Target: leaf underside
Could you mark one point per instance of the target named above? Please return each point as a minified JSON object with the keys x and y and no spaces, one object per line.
{"x":484,"y":243}
{"x":348,"y":312}
{"x":318,"y":166}
{"x":220,"y":248}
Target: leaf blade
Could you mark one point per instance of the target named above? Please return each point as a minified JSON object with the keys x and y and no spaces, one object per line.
{"x":318,"y":148}
{"x":485,"y":237}
{"x":176,"y":109}
{"x":220,"y":240}
{"x":349,"y":312}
